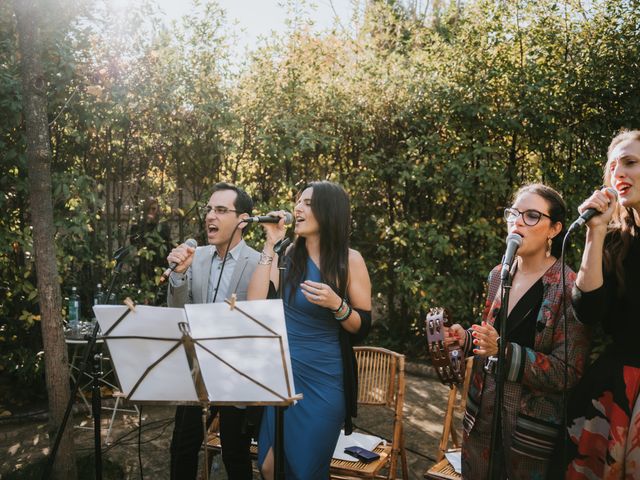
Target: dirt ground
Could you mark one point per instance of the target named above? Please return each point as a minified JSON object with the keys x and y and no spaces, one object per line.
{"x":24,"y":440}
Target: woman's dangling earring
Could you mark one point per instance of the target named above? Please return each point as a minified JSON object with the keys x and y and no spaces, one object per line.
{"x":549,"y":243}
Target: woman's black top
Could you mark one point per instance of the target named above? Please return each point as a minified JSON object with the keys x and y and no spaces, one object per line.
{"x":618,"y":311}
{"x":521,"y":322}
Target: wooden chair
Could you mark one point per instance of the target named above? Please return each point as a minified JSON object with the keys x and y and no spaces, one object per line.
{"x":380,"y":383}
{"x":457,"y":401}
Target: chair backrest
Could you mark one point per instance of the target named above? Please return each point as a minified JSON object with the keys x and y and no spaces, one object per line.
{"x":381,"y":382}
{"x":380,"y":376}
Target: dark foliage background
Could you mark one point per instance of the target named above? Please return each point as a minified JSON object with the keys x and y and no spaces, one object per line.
{"x":431,"y":122}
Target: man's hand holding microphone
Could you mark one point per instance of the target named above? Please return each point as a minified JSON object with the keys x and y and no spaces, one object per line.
{"x":180,"y":258}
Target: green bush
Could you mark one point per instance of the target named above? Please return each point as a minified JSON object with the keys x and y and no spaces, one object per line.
{"x":430,"y":124}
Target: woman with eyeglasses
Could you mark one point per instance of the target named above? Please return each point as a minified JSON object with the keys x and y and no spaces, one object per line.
{"x":532,"y":413}
{"x":604,"y":411}
{"x":327,"y":306}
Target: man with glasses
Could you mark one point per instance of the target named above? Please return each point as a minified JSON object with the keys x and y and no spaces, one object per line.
{"x":203,"y":275}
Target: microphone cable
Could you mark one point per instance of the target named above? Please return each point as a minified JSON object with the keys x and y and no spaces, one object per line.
{"x":565,"y":395}
{"x":224,"y":260}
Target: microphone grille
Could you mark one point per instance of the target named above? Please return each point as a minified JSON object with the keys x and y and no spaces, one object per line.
{"x":514,"y":237}
{"x":288,"y":218}
{"x":613,"y":191}
{"x":191,"y":243}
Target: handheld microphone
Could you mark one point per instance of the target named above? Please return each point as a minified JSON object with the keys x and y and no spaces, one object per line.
{"x":173,"y":265}
{"x":120,"y":254}
{"x":589,"y":213}
{"x":513,"y":242}
{"x":288,"y":218}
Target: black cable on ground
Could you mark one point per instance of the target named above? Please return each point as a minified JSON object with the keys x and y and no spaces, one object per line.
{"x":140,"y":442}
{"x":156,"y":424}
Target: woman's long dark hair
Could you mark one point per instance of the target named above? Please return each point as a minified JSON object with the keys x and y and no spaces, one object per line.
{"x":330,"y":206}
{"x":622,"y":227}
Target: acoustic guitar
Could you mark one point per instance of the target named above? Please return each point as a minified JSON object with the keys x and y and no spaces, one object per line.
{"x":448,"y":360}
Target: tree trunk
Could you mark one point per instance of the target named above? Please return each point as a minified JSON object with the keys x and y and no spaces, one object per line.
{"x":40,"y":197}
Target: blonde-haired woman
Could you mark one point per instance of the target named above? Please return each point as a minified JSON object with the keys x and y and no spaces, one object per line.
{"x":604,"y":414}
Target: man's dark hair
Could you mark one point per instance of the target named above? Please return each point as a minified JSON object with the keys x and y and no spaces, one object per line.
{"x":242,"y":203}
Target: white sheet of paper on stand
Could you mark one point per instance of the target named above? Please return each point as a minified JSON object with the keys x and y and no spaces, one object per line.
{"x":242,"y":360}
{"x":455,"y":459}
{"x":169,"y":380}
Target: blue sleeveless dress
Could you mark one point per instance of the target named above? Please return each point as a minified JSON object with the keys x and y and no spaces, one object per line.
{"x":312,"y":426}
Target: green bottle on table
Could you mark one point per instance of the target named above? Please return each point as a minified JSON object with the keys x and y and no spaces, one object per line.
{"x":74,"y":312}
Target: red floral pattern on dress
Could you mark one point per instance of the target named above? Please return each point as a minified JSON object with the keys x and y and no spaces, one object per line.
{"x":609,"y":443}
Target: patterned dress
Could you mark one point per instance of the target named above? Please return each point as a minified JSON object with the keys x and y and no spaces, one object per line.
{"x":535,"y":379}
{"x":604,"y":412}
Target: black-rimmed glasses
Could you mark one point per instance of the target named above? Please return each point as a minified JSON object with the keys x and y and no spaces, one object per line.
{"x":530,"y":217}
{"x":219,"y":210}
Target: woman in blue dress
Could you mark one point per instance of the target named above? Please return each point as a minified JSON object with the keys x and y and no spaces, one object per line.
{"x":327,"y":304}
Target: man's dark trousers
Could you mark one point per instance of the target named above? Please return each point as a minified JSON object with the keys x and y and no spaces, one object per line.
{"x":188,"y":437}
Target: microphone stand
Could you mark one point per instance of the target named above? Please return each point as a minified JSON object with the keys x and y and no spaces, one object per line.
{"x":496,"y":457}
{"x":278,"y":450}
{"x":119,"y":256}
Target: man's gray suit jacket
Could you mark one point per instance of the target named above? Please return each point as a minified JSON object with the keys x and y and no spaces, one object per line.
{"x":196,"y":285}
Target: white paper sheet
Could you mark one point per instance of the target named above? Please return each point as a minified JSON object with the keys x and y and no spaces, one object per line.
{"x":242,"y":360}
{"x":455,"y":459}
{"x":369,"y":442}
{"x":250,"y":369}
{"x":170,"y":380}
